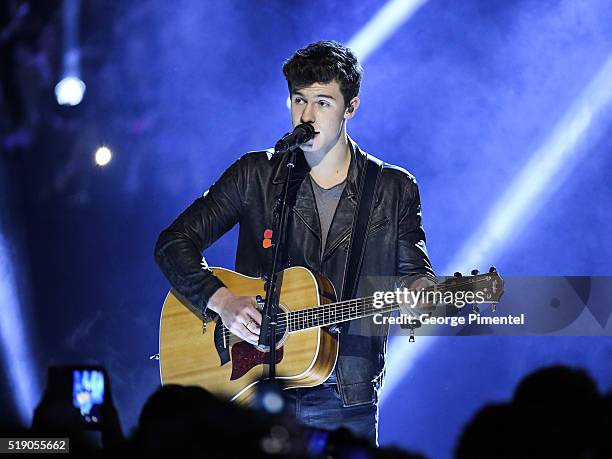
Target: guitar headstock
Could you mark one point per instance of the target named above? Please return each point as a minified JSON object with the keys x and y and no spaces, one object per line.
{"x":488,"y":288}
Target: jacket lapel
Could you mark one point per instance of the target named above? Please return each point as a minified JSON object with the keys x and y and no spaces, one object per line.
{"x":342,"y":222}
{"x":305,"y":208}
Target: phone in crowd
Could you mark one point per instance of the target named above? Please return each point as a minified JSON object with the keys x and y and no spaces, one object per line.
{"x":84,"y":387}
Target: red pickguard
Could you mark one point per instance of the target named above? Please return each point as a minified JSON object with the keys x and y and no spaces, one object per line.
{"x":245,"y":357}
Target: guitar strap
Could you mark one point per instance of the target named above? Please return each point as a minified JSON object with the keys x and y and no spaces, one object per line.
{"x":361,"y":221}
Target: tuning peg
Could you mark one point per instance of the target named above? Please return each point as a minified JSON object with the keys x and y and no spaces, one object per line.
{"x":458,"y":274}
{"x":475,"y":272}
{"x":492,"y":269}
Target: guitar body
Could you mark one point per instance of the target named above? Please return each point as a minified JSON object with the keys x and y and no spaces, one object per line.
{"x":229,"y":367}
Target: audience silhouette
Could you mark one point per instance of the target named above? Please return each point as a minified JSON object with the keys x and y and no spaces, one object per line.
{"x":556,"y":412}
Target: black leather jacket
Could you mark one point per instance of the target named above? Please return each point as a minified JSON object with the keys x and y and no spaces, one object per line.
{"x":245,"y":194}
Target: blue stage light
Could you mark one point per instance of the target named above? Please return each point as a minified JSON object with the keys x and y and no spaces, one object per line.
{"x":378,"y":29}
{"x":15,"y":347}
{"x":69,"y":91}
{"x":546,"y":170}
{"x":382,"y":25}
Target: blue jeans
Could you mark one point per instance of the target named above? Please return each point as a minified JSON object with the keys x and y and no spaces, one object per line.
{"x":321,"y":407}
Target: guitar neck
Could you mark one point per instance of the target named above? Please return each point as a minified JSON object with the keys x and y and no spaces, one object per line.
{"x":489,"y":286}
{"x":333,"y":313}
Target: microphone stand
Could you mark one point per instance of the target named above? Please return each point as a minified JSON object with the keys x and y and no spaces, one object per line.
{"x":267,"y":335}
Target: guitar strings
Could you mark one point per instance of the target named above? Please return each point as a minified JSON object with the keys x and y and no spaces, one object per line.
{"x":302,"y":323}
{"x":340,"y":308}
{"x":310,"y":317}
{"x":361,"y":308}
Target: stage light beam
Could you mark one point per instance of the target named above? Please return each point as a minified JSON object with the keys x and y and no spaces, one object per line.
{"x":545,"y":171}
{"x":20,"y":366}
{"x":382,"y":25}
{"x":70,"y":89}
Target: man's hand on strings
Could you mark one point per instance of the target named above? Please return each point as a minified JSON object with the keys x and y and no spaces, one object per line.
{"x":238,"y":313}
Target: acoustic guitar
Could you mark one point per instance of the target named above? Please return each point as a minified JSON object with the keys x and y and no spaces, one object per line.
{"x":207,"y":354}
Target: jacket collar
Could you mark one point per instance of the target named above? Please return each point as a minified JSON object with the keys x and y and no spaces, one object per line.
{"x":358,"y":161}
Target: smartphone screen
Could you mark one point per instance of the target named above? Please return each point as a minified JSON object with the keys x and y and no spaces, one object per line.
{"x":88,"y":394}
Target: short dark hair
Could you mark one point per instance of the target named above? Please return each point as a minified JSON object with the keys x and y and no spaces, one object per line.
{"x":323,"y":62}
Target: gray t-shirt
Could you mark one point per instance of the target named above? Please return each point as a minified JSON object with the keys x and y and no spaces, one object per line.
{"x":327,"y":203}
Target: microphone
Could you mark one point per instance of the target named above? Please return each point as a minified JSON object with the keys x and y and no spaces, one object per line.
{"x":301,"y":134}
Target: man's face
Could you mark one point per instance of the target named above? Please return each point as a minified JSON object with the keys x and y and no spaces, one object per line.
{"x":322,"y":105}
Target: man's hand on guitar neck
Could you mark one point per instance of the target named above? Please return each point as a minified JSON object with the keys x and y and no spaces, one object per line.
{"x":238,"y":313}
{"x":421,"y":284}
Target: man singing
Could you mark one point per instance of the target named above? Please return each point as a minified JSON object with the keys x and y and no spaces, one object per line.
{"x":323,"y":80}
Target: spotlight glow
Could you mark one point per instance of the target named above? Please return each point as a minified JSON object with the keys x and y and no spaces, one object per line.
{"x":382,"y":25}
{"x":15,"y":348}
{"x":69,"y":91}
{"x":545,"y":171}
{"x":380,"y":28}
{"x":103,"y":156}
